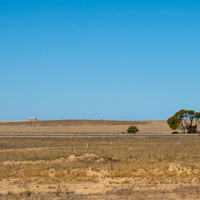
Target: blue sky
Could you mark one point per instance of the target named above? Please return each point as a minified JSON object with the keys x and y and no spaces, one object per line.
{"x":102,"y":59}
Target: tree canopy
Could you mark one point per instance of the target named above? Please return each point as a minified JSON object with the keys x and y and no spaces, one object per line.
{"x":185,"y":120}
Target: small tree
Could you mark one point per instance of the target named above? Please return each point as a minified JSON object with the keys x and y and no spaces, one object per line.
{"x":132,"y":129}
{"x":185,"y":120}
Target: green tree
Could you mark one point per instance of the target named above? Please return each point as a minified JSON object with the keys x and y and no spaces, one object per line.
{"x":132,"y":129}
{"x":185,"y":120}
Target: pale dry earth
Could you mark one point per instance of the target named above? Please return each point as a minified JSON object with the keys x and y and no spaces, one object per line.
{"x":107,"y":188}
{"x":84,"y":127}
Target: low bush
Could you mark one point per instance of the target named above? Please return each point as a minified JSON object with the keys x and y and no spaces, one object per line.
{"x":132,"y":129}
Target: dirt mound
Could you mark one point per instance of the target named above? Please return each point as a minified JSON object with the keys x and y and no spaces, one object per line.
{"x":59,"y":160}
{"x":83,"y":158}
{"x":72,"y":158}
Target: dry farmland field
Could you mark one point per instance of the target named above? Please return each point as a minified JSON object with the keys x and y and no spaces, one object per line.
{"x":83,"y":127}
{"x":40,"y":160}
{"x":99,"y":167}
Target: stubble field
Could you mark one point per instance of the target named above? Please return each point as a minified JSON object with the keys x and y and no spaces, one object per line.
{"x":83,"y":127}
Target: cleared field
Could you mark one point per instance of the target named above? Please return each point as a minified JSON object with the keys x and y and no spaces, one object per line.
{"x":84,"y":126}
{"x":100,"y":167}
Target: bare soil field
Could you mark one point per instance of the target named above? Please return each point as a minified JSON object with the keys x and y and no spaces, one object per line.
{"x":84,"y":126}
{"x":99,"y":167}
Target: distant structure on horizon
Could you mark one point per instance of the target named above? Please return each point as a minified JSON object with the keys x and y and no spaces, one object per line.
{"x":32,"y":118}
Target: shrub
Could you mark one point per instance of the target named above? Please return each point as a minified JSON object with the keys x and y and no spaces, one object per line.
{"x":132,"y":129}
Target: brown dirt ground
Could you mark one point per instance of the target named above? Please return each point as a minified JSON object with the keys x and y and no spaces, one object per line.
{"x":84,"y":126}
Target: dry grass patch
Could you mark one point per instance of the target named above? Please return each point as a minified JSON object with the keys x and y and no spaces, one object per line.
{"x":133,"y":156}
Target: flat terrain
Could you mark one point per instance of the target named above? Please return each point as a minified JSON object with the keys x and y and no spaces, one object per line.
{"x":84,"y":126}
{"x":99,"y":167}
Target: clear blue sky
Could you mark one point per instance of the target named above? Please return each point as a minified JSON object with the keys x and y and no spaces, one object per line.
{"x":99,"y":59}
